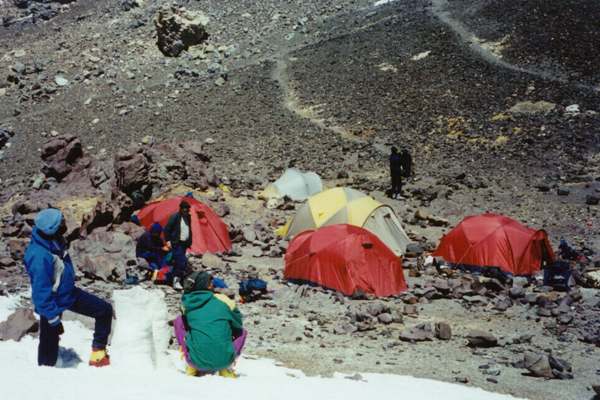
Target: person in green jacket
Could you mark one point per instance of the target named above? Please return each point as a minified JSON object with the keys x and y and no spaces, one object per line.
{"x":210,"y":332}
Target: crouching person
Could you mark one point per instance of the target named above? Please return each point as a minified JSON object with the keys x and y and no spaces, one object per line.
{"x":53,"y":290}
{"x":210,"y":332}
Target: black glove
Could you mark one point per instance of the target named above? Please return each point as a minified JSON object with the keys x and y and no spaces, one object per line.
{"x":60,"y":329}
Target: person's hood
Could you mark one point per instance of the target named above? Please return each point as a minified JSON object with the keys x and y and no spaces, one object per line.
{"x":49,"y":220}
{"x":197,"y":299}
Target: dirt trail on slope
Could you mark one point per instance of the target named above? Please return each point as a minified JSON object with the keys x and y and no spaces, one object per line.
{"x":440,"y":9}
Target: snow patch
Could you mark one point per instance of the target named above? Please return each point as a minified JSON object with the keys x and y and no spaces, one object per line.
{"x":382,"y":2}
{"x":141,"y":334}
{"x":139,"y":309}
{"x":421,"y":56}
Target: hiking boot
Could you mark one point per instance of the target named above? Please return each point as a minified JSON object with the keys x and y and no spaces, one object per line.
{"x":191,"y":371}
{"x":177,"y":284}
{"x":99,"y":358}
{"x":228,"y":373}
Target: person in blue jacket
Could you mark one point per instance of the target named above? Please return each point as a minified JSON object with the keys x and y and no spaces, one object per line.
{"x":53,"y":290}
{"x":151,"y":247}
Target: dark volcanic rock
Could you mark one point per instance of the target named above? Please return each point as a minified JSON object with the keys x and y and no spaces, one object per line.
{"x":60,"y":156}
{"x":131,"y":170}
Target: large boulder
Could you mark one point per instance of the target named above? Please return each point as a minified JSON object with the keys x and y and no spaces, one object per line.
{"x":178,"y":29}
{"x":61,"y":156}
{"x":18,"y":324}
{"x":131,"y":170}
{"x":104,"y":255}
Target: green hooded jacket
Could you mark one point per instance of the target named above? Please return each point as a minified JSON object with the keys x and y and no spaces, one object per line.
{"x":212,"y":319}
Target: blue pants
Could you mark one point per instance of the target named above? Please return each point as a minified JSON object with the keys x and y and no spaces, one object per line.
{"x":86,"y":304}
{"x":180,"y":261}
{"x":155,"y":260}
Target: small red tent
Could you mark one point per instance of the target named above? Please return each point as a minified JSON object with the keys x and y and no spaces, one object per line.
{"x":345,"y":258}
{"x":209,"y":232}
{"x":491,"y":240}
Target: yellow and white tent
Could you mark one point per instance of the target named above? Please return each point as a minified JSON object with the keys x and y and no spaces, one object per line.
{"x":348,"y":206}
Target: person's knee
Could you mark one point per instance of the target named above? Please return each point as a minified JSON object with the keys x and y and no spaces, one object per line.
{"x":107,"y":311}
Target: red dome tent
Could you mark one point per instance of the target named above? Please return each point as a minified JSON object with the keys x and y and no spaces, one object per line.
{"x":491,"y":240}
{"x":345,"y":258}
{"x":209,"y":232}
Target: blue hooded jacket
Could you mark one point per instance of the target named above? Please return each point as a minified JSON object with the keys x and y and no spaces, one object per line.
{"x":52,"y":276}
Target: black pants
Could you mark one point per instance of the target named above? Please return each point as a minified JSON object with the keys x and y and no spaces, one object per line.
{"x":396,"y":183}
{"x":86,"y":304}
{"x":180,"y":261}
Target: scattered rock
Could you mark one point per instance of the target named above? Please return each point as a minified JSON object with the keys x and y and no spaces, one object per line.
{"x":443,"y":331}
{"x":592,"y":200}
{"x":478,"y":338}
{"x":18,"y":324}
{"x":537,"y":364}
{"x":528,"y":107}
{"x":418,"y":333}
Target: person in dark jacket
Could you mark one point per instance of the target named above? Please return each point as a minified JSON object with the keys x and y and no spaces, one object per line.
{"x":151,"y":247}
{"x":178,"y":233}
{"x":396,"y":173}
{"x":210,"y":331}
{"x":53,"y":290}
{"x":406,"y":161}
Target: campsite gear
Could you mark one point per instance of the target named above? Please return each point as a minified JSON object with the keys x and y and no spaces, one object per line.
{"x":348,"y":206}
{"x":213,"y":320}
{"x":209,"y":233}
{"x":345,"y":258}
{"x":252,"y":289}
{"x":181,"y":330}
{"x":557,"y":275}
{"x":492,"y":240}
{"x":219,"y":283}
{"x":162,"y":275}
{"x":99,"y":358}
{"x":295,"y":184}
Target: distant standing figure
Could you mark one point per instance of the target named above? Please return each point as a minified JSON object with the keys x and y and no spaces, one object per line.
{"x":406,"y":161}
{"x":53,"y":290}
{"x":396,"y":173}
{"x":178,"y":234}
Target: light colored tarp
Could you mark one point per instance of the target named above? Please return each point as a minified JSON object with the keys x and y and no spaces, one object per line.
{"x":295,"y":184}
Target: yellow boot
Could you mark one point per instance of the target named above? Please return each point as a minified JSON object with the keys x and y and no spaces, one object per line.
{"x":228,"y":373}
{"x":191,"y":371}
{"x":99,"y":358}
